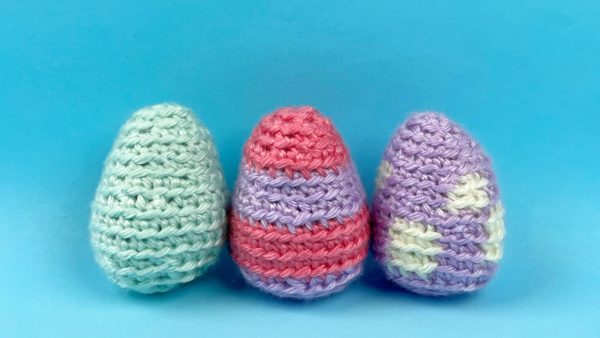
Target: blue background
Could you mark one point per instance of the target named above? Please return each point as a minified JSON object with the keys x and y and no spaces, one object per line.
{"x":522,"y":76}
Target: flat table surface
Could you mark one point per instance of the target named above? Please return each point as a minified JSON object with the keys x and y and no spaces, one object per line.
{"x":523,"y":77}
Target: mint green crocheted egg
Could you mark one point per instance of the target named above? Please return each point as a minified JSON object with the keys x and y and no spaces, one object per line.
{"x":158,"y":218}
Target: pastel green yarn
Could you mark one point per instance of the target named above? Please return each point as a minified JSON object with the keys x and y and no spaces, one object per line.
{"x":158,"y":218}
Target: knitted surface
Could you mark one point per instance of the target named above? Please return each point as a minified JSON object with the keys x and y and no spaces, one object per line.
{"x":158,"y":218}
{"x":438,"y":221}
{"x":299,"y":226}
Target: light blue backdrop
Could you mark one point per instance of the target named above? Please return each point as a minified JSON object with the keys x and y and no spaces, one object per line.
{"x":522,"y":76}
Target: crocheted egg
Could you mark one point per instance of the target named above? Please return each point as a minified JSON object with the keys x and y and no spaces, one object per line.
{"x":158,"y":218}
{"x":299,"y":226}
{"x":438,"y":220}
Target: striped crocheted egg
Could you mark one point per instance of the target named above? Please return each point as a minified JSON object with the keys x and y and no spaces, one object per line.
{"x":299,"y":226}
{"x":438,"y":220}
{"x":158,"y":218}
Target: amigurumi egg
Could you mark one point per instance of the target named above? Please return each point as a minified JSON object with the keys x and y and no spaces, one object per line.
{"x":299,"y":226}
{"x":438,"y":220}
{"x":158,"y":218}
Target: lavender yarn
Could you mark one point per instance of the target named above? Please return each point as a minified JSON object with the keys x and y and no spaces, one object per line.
{"x":297,"y":201}
{"x":303,"y":288}
{"x":437,"y":218}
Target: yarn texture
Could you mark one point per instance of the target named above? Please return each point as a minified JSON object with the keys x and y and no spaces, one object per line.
{"x":158,"y":218}
{"x":438,"y":219}
{"x":299,"y":225}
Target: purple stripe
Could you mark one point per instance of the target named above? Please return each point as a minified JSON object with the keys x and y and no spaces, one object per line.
{"x":297,"y":201}
{"x":440,"y":283}
{"x":303,"y":288}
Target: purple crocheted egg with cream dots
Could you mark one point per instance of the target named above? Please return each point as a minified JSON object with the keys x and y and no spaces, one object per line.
{"x":438,"y":220}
